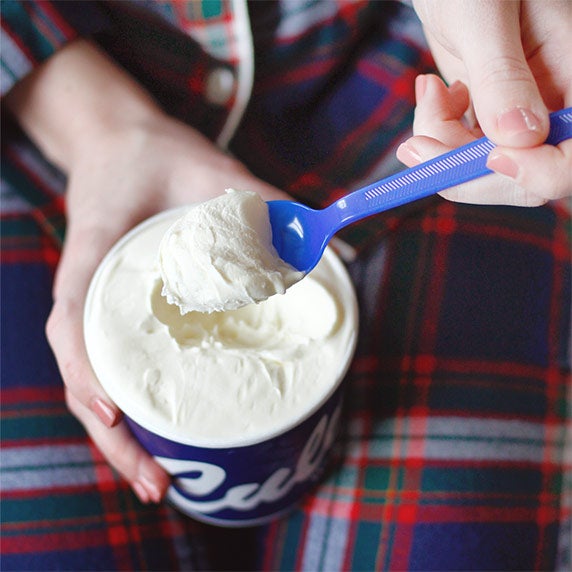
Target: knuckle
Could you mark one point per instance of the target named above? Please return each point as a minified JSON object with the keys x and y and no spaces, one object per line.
{"x":62,"y":311}
{"x":72,"y":403}
{"x":548,"y":184}
{"x":120,"y":455}
{"x":70,"y":365}
{"x":52,"y":325}
{"x":555,"y":192}
{"x":115,"y":453}
{"x":505,"y":69}
{"x":72,"y":376}
{"x":532,"y":200}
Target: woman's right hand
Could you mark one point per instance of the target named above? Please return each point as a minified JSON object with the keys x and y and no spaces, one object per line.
{"x":124,"y":164}
{"x":508,"y":64}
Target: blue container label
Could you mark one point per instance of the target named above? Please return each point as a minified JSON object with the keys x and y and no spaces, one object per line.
{"x":252,"y":484}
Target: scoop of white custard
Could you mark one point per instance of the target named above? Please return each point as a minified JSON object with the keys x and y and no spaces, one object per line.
{"x":219,"y":256}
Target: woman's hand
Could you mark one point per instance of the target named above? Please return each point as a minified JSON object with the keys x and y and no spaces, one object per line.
{"x":125,"y":161}
{"x":125,"y":179}
{"x":516,"y":60}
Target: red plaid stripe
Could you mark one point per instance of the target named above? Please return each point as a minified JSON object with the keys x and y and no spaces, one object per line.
{"x":451,"y":461}
{"x":453,"y":450}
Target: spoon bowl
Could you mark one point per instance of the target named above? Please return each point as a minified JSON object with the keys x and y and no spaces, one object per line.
{"x":300,"y":234}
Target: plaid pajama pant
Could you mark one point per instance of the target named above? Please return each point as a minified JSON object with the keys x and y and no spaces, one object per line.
{"x":455,"y":446}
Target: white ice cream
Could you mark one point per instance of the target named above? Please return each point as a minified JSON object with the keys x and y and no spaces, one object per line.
{"x":219,"y":256}
{"x":220,"y":378}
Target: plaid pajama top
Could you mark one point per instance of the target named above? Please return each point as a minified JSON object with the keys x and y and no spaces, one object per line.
{"x":452,"y":453}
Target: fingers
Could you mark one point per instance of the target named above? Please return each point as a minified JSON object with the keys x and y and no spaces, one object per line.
{"x":65,"y":334}
{"x":148,"y":480}
{"x":86,"y":398}
{"x":439,"y":128}
{"x":440,"y":110}
{"x":438,"y":124}
{"x":505,"y":95}
{"x":489,"y":190}
{"x":64,"y":328}
{"x":545,"y":170}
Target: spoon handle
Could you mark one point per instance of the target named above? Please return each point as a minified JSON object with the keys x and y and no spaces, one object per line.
{"x":453,"y":168}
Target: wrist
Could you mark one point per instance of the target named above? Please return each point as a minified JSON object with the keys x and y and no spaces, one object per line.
{"x":77,"y":97}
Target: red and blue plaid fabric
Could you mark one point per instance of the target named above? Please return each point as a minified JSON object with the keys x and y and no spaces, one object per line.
{"x":455,"y":446}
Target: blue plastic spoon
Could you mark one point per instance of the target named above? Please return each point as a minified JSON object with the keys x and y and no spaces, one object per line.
{"x":300,"y":234}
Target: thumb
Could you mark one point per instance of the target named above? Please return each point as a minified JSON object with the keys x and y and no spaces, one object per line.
{"x":505,"y":94}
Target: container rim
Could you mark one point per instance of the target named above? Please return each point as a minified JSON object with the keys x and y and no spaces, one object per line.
{"x":167,"y":431}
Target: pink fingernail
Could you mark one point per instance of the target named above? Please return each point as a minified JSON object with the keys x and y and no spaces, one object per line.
{"x":140,"y":491}
{"x":420,"y":87}
{"x":502,"y":164}
{"x":519,"y":121}
{"x":408,"y":151}
{"x":106,"y":413}
{"x":152,"y":490}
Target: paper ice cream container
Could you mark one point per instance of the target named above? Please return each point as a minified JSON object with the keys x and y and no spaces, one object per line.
{"x":241,"y":408}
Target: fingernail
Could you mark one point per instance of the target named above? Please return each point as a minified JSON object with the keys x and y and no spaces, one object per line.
{"x":151,"y":489}
{"x":408,"y":152}
{"x":420,"y":87}
{"x":502,"y":164}
{"x":518,"y":121}
{"x":141,"y":492}
{"x":106,"y":413}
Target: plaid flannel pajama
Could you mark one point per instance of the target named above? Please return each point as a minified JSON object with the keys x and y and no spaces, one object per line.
{"x":455,"y":445}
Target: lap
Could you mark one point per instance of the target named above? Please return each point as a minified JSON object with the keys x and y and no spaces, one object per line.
{"x":452,"y":448}
{"x":457,"y":402}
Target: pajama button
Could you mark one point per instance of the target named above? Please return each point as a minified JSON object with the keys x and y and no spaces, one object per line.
{"x":219,"y":86}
